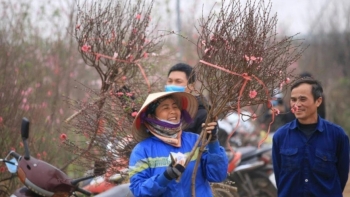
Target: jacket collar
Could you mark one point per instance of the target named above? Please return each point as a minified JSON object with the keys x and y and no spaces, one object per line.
{"x":320,"y":124}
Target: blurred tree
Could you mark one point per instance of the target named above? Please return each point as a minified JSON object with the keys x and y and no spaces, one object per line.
{"x":38,"y":65}
{"x":328,"y":59}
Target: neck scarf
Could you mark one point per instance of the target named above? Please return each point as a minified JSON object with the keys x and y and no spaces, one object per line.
{"x":174,"y":140}
{"x":169,"y":133}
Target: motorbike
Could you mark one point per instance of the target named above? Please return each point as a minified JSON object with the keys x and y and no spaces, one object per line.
{"x":103,"y":183}
{"x":251,"y":170}
{"x":40,"y":178}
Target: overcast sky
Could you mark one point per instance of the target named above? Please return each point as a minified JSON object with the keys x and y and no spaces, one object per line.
{"x":294,"y":16}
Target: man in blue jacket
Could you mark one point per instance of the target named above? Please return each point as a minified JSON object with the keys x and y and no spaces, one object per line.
{"x":310,"y":154}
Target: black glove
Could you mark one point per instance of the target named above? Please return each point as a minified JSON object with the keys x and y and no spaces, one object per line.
{"x":214,"y":134}
{"x":174,"y":172}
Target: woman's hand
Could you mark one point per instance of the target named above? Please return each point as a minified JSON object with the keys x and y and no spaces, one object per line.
{"x":212,"y":129}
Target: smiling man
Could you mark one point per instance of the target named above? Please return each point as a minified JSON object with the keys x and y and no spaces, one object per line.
{"x":310,"y":154}
{"x":181,"y":78}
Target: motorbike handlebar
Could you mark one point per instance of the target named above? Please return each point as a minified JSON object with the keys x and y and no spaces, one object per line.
{"x":15,"y":155}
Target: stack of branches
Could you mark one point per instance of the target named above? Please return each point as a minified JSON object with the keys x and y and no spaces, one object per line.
{"x":101,"y":135}
{"x":116,"y":39}
{"x":242,"y":59}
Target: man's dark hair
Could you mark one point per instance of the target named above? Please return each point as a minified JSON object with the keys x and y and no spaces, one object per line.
{"x":306,"y":74}
{"x":187,"y":69}
{"x":316,"y":90}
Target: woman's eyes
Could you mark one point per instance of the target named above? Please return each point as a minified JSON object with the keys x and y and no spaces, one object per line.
{"x":174,"y":106}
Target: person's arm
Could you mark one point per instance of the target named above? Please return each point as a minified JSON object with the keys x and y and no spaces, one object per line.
{"x":276,"y":159}
{"x":343,"y":159}
{"x":142,"y":181}
{"x":214,"y":162}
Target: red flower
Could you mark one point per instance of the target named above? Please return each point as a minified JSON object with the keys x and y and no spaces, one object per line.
{"x":252,"y":94}
{"x":138,"y":16}
{"x":63,"y":136}
{"x":134,"y":114}
{"x":287,"y":80}
{"x":86,"y":48}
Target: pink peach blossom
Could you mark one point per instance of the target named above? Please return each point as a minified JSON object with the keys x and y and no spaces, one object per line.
{"x":63,"y":136}
{"x":287,"y":80}
{"x":252,"y":94}
{"x":85,"y":48}
{"x":120,"y":93}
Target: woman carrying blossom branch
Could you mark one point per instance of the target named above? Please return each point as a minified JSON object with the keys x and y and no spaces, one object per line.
{"x":159,"y":159}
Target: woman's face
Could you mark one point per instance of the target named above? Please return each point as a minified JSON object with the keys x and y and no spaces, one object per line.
{"x":168,"y":110}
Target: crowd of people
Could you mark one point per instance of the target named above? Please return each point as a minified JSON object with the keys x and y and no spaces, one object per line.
{"x":310,"y":154}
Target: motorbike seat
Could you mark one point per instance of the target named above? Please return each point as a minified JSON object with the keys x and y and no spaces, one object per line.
{"x":248,"y":152}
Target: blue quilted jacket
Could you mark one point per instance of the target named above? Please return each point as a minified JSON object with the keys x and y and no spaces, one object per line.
{"x":150,"y":158}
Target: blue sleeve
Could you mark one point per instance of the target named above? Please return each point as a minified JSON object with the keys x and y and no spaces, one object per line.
{"x":343,"y":159}
{"x":142,"y":182}
{"x":276,"y":160}
{"x":214,"y":162}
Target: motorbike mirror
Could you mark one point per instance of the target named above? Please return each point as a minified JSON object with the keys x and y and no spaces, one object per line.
{"x":25,"y":135}
{"x":12,"y":165}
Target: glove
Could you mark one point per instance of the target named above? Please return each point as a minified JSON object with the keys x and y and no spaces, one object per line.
{"x":174,"y":172}
{"x":214,"y":133}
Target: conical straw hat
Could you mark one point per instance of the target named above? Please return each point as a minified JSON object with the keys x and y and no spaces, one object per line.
{"x":186,"y":100}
